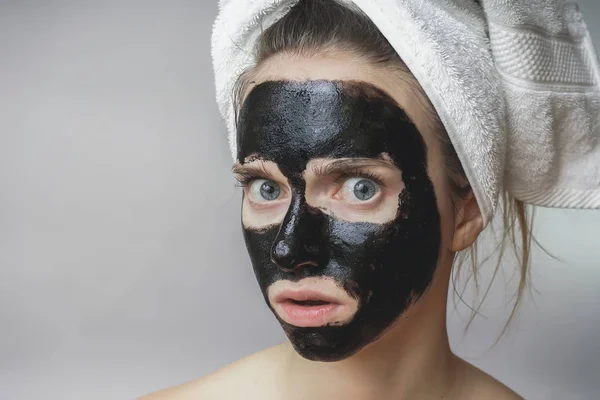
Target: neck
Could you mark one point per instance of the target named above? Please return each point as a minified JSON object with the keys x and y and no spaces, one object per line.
{"x":412,"y":359}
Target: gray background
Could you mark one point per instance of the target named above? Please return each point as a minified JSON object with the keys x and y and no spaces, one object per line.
{"x":122,"y":267}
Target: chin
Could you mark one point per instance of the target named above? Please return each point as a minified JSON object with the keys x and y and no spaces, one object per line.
{"x":323,"y":353}
{"x":329,"y":343}
{"x":340,"y":342}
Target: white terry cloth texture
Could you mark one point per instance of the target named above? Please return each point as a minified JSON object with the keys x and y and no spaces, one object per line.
{"x":516,"y":83}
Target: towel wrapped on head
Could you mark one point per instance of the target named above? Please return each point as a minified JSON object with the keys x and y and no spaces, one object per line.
{"x":515,"y":83}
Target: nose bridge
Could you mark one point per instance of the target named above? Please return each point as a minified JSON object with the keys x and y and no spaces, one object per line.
{"x":297,"y":243}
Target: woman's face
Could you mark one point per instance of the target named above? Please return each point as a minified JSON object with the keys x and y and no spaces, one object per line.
{"x":346,"y":210}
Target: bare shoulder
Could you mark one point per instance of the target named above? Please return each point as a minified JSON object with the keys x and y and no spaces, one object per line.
{"x":249,"y":378}
{"x":480,"y":385}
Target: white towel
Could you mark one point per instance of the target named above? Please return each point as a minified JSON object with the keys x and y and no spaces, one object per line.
{"x":516,"y":83}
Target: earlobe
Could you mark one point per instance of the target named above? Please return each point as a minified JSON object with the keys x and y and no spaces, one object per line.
{"x":468,"y":223}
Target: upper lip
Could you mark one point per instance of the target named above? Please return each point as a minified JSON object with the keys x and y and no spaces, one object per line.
{"x":304,"y":295}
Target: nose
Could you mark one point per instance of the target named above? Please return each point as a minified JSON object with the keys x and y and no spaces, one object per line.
{"x":299,"y":241}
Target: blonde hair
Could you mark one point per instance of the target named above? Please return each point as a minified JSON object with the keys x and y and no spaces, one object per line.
{"x":516,"y":238}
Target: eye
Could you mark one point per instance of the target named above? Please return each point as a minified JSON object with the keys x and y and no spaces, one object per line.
{"x":360,"y":188}
{"x":264,"y":190}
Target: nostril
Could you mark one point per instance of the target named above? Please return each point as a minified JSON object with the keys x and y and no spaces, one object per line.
{"x":311,"y":249}
{"x":292,"y":256}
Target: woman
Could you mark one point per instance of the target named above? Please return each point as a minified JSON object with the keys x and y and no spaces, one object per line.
{"x":358,"y":193}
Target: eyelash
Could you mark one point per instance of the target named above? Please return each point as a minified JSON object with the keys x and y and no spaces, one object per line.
{"x":357,"y":173}
{"x":245,"y":179}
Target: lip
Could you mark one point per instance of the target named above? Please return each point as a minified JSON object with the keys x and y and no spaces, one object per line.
{"x":306,"y":294}
{"x":334,"y":306}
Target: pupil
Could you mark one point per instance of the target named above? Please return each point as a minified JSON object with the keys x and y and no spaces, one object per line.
{"x":269,"y":191}
{"x":364,"y":189}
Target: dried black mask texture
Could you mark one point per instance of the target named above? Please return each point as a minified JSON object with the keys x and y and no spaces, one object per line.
{"x":384,"y":266}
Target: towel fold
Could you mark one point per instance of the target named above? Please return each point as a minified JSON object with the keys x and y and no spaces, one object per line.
{"x":516,"y":83}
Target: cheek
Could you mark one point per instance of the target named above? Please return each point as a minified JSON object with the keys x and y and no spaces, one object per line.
{"x":444,"y":204}
{"x":263,"y":215}
{"x":438,"y":174}
{"x":447,"y":226}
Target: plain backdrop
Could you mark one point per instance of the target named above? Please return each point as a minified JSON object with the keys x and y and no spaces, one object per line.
{"x":122,"y":266}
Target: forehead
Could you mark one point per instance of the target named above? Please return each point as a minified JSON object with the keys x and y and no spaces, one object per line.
{"x":286,"y":121}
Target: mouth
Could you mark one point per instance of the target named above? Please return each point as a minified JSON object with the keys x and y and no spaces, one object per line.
{"x":308,"y":303}
{"x":312,"y":302}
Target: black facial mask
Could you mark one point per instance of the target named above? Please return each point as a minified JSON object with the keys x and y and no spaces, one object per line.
{"x":384,"y":266}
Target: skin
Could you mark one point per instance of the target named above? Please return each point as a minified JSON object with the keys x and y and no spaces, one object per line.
{"x":376,"y":247}
{"x":409,"y":358}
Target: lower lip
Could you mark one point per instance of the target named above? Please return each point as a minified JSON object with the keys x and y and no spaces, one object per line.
{"x":308,"y":316}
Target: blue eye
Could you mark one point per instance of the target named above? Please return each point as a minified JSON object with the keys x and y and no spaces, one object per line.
{"x":265,"y":190}
{"x":362,"y":189}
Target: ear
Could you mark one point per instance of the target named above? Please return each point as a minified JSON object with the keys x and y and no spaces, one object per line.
{"x":468,"y":223}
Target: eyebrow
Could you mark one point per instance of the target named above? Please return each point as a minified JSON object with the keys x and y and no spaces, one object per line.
{"x":337,"y":166}
{"x":321,"y":169}
{"x":252,"y":169}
